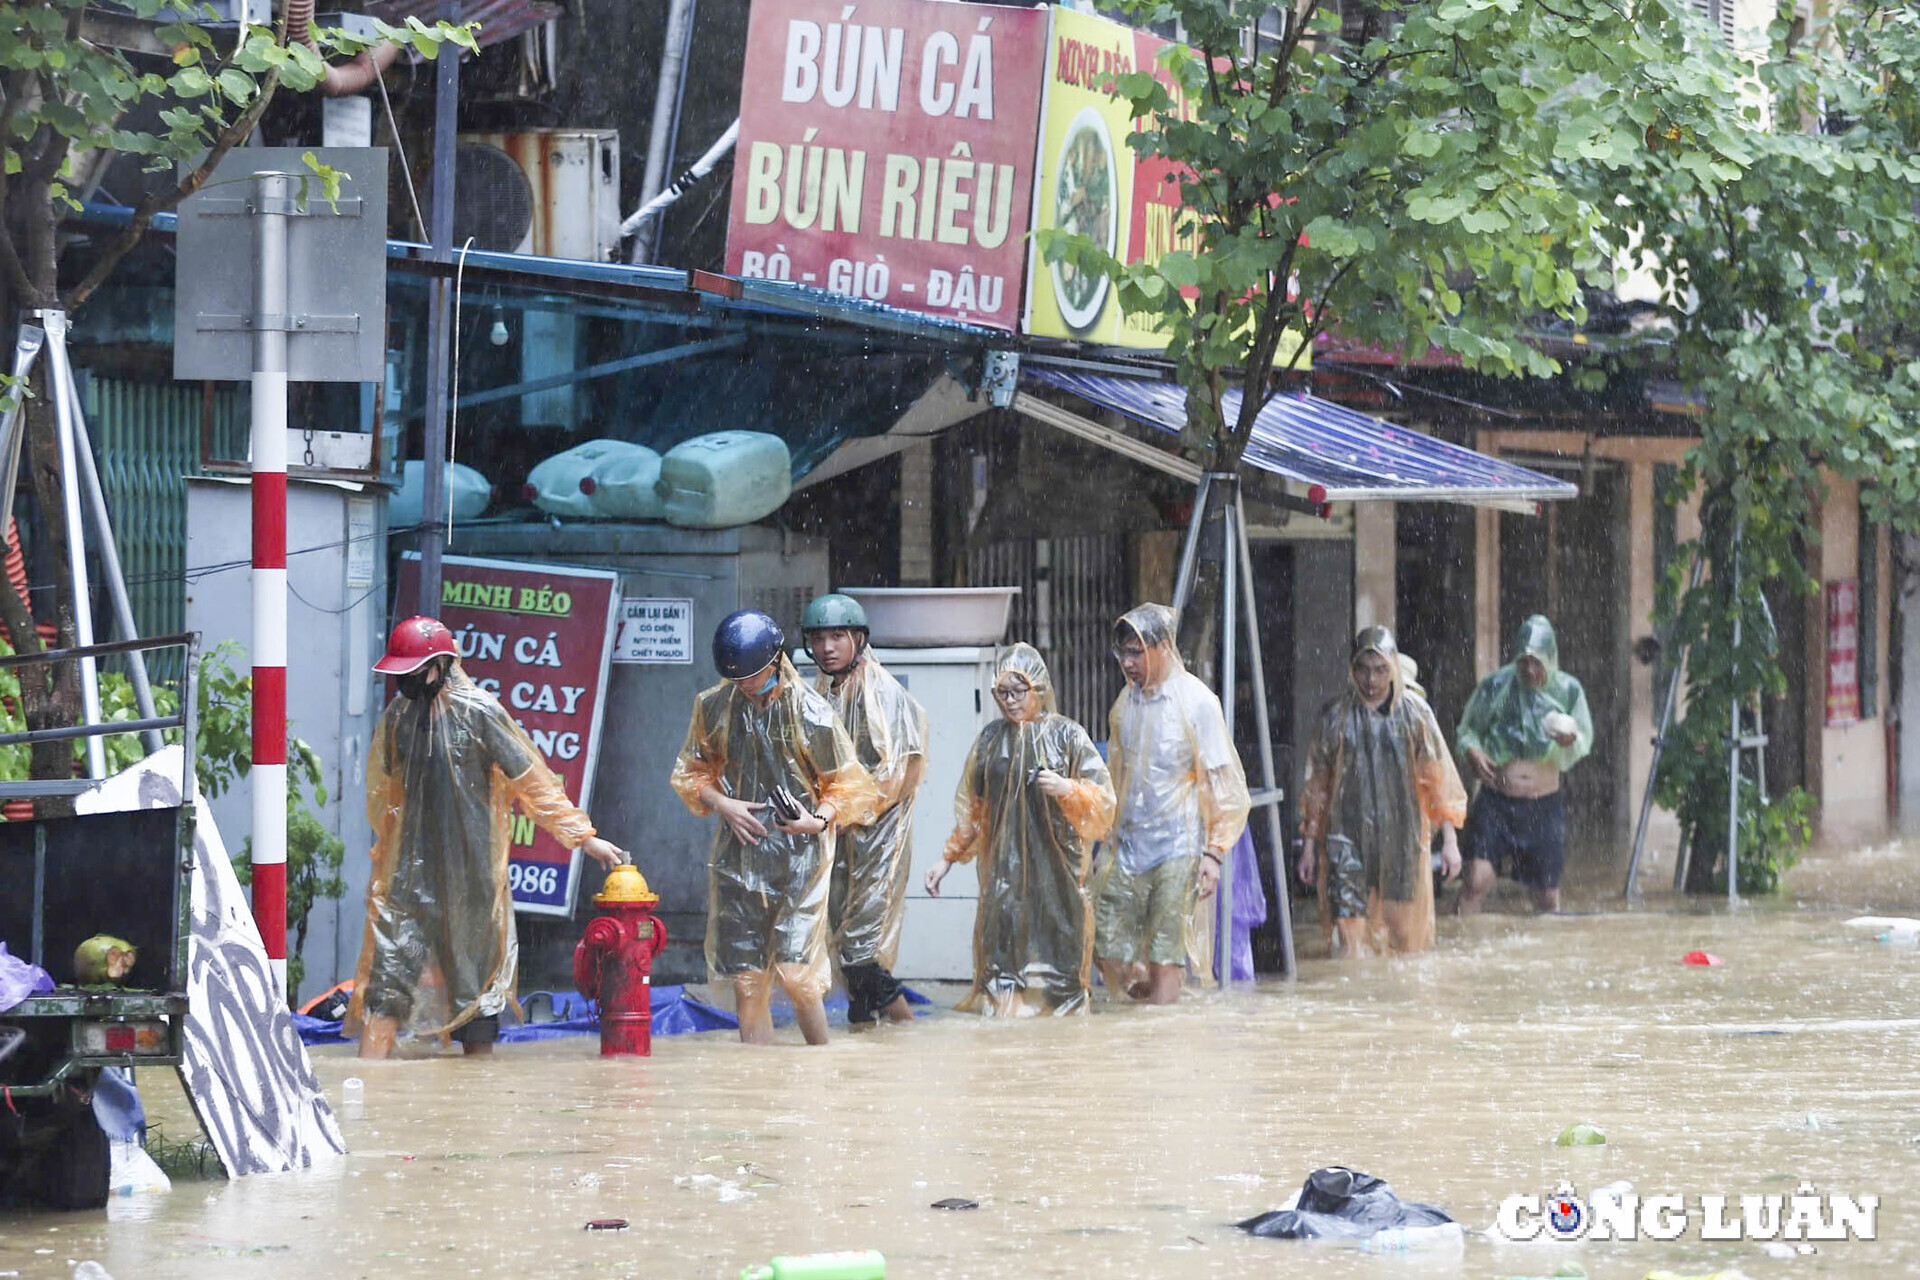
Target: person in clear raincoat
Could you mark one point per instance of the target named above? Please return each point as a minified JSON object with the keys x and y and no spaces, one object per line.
{"x":1524,"y":726}
{"x":889,"y":731}
{"x":1379,"y":780}
{"x":1181,"y":805}
{"x":1033,"y":797}
{"x":448,"y":763}
{"x":758,"y":731}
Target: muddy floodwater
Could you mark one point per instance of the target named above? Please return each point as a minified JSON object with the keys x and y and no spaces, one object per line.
{"x":1125,"y":1144}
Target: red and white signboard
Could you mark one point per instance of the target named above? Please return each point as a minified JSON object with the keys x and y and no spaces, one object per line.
{"x":887,"y":152}
{"x":537,"y":637}
{"x":1843,"y":652}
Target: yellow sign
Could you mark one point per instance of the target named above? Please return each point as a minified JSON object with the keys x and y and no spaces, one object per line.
{"x":1087,"y":180}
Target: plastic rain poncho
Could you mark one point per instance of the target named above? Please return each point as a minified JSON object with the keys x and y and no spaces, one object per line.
{"x":1505,"y":720}
{"x":442,"y":779}
{"x":1177,"y":779}
{"x":767,"y":901}
{"x":1033,"y":936}
{"x":1378,"y":783}
{"x":889,"y":732}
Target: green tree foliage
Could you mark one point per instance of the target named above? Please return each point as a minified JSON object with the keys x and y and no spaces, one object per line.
{"x":79,"y":85}
{"x":1409,"y":179}
{"x":1789,"y":283}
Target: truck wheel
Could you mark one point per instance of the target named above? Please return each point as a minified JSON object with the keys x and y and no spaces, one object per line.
{"x":75,"y":1171}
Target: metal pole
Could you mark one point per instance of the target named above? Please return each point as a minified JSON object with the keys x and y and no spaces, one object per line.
{"x":1659,"y":747}
{"x":440,"y":321}
{"x":1229,"y":592}
{"x":1256,"y":665}
{"x":116,"y":576}
{"x":271,"y":193}
{"x":28,"y":343}
{"x":1190,"y":549}
{"x":60,"y":383}
{"x":1733,"y":743}
{"x":666,"y":120}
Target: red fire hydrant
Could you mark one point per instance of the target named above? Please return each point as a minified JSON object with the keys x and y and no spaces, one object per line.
{"x":614,"y":962}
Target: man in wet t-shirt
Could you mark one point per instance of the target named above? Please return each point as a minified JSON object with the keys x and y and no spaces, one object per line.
{"x":1524,"y":726}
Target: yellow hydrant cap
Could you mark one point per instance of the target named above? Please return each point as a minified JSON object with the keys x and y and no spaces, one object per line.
{"x":625,"y":884}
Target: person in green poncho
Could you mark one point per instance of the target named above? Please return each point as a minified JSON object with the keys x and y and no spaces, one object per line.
{"x":1524,"y":726}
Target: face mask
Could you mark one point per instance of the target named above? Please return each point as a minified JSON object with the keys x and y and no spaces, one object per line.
{"x":424,"y":682}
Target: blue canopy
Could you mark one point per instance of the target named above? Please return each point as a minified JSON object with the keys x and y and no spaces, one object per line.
{"x":1338,"y":454}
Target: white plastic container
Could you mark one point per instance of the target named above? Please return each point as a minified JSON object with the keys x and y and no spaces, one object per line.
{"x":930,"y":617}
{"x":725,"y":479}
{"x":471,"y":494}
{"x":353,"y":1098}
{"x":625,"y":486}
{"x":554,"y":484}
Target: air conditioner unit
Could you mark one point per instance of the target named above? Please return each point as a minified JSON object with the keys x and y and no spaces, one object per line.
{"x":551,"y":192}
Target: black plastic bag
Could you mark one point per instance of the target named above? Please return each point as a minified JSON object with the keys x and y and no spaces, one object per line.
{"x":1343,"y":1204}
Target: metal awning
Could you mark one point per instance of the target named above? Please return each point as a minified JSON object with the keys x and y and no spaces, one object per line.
{"x":1338,"y":454}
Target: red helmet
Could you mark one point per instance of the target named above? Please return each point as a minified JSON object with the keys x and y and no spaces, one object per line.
{"x":414,"y":643}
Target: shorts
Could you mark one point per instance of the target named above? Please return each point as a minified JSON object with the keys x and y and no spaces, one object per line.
{"x":1525,"y":840}
{"x":1143,"y":915}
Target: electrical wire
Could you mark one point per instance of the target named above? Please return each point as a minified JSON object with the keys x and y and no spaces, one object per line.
{"x":453,"y":407}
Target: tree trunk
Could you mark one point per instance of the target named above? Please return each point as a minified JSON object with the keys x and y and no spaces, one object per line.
{"x":50,"y":696}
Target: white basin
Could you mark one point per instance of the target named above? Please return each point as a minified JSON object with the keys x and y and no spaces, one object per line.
{"x":928,"y":617}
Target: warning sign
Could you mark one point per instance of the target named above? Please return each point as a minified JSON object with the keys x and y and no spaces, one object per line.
{"x":655,"y":631}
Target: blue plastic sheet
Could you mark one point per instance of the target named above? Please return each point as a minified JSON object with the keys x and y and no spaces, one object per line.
{"x":567,"y":1013}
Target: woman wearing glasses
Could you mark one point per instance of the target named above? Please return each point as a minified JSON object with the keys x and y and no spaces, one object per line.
{"x":1033,"y":798}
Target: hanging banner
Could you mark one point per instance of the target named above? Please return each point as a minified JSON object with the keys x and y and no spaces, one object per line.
{"x":1843,"y":652}
{"x":886,"y":152}
{"x":537,"y":637}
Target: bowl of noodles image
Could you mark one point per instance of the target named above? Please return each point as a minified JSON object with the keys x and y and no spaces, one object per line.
{"x":1085,"y":202}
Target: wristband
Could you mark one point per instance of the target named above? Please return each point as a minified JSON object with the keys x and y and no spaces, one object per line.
{"x":1216,"y":857}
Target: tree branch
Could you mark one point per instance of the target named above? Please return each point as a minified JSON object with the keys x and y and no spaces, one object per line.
{"x":130,"y":235}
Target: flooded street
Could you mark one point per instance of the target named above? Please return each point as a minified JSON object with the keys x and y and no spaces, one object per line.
{"x":1125,"y":1144}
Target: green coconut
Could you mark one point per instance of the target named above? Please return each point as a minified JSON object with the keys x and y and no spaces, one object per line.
{"x":103,"y":958}
{"x":1581,"y":1135}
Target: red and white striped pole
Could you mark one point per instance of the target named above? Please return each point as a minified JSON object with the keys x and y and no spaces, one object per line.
{"x":269,"y":455}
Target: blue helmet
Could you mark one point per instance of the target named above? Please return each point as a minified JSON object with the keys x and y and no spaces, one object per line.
{"x":746,"y":643}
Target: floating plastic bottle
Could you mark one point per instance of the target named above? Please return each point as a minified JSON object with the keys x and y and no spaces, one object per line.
{"x":1444,"y":1237}
{"x":353,"y":1098}
{"x":859,"y":1264}
{"x":725,"y":479}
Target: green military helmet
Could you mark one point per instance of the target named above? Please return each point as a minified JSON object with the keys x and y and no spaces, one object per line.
{"x":834,"y":610}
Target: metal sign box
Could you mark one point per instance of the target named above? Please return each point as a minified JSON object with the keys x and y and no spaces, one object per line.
{"x":336,"y":316}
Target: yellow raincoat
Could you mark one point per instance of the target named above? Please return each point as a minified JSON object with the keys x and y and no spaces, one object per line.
{"x":1180,"y":789}
{"x":1033,"y":936}
{"x":1378,"y":783}
{"x":767,"y":902}
{"x":889,"y":732}
{"x":442,"y":778}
